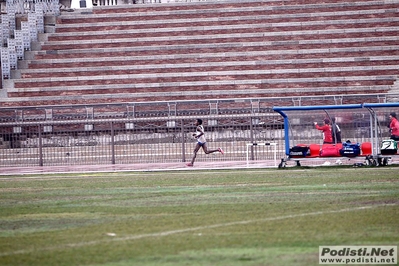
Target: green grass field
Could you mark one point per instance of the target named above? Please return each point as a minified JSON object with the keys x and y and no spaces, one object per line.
{"x":226,"y":217}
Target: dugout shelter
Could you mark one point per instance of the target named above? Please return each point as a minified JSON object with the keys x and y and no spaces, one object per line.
{"x":363,"y":125}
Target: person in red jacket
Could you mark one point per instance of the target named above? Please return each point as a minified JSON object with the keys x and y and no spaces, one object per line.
{"x":394,"y":126}
{"x":326,"y":128}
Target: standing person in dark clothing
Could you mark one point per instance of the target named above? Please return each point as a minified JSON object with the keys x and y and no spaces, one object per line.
{"x":336,"y":132}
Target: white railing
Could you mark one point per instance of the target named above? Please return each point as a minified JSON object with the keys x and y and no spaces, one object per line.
{"x":14,"y":42}
{"x":119,"y":2}
{"x":27,"y":6}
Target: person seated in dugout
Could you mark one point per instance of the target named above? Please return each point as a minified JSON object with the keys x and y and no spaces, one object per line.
{"x":394,"y":126}
{"x":326,"y":128}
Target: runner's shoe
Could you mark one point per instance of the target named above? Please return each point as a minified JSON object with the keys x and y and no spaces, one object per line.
{"x":221,"y":151}
{"x":189,"y":164}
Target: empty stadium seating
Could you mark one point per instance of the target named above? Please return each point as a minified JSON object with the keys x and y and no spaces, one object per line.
{"x":211,"y":50}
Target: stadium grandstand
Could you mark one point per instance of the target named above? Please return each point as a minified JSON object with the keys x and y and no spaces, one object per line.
{"x":110,"y":82}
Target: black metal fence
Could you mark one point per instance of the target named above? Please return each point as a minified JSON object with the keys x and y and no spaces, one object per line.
{"x":158,"y":132}
{"x":127,"y":141}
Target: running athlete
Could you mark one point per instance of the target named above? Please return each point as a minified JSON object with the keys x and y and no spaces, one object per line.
{"x":201,"y":142}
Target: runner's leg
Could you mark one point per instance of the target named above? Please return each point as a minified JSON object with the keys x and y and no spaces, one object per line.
{"x":197,"y":147}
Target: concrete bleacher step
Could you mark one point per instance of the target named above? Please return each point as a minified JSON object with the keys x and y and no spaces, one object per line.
{"x":282,"y":66}
{"x":86,"y":80}
{"x":209,"y":71}
{"x":265,"y":15}
{"x":278,"y":35}
{"x":214,"y":50}
{"x":201,"y":6}
{"x":68,"y":45}
{"x":317,"y":21}
{"x":245,"y":25}
{"x":77,"y":97}
{"x":302,"y":37}
{"x":255,"y":52}
{"x":222,"y":8}
{"x":290,"y":84}
{"x":135,"y":56}
{"x":200,"y":53}
{"x":111,"y":47}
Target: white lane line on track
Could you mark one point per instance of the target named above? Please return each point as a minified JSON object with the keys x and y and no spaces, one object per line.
{"x":142,"y":172}
{"x":172,"y":232}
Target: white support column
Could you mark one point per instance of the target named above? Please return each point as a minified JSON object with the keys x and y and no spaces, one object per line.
{"x":19,"y":44}
{"x":54,"y":7}
{"x":5,"y":63}
{"x":25,"y":35}
{"x":32,"y":26}
{"x":12,"y":21}
{"x":12,"y":53}
{"x":39,"y":17}
{"x":5,"y":29}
